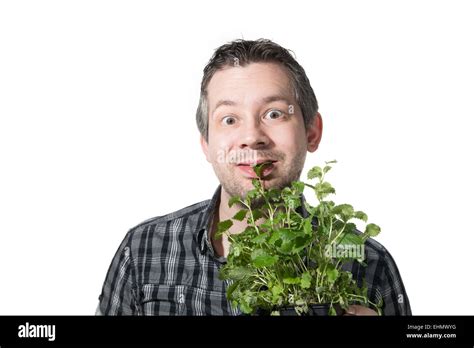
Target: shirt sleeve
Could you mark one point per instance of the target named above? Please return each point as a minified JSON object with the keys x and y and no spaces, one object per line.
{"x":117,"y":296}
{"x":97,"y":310}
{"x":395,"y":299}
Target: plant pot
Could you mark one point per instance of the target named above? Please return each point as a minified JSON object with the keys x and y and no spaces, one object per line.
{"x":313,"y":310}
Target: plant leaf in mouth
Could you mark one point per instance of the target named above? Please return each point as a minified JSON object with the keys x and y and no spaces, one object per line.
{"x":258,"y":168}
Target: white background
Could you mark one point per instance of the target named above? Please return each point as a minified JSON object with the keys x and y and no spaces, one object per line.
{"x":97,"y":131}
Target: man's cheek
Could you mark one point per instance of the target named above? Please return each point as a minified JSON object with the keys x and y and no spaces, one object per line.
{"x":219,"y":157}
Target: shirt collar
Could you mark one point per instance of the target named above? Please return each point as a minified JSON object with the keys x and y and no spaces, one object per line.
{"x":203,"y":234}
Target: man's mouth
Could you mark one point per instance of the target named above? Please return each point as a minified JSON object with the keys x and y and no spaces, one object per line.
{"x":247,"y":168}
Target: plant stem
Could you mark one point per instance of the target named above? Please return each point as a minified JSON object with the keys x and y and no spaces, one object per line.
{"x":337,"y":236}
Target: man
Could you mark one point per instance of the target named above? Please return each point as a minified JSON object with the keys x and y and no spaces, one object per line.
{"x":256,"y":105}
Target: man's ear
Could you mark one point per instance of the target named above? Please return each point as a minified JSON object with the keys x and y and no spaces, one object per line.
{"x":204,"y":147}
{"x":314,"y":133}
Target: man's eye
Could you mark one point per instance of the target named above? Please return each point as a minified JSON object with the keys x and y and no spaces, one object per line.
{"x":274,"y":114}
{"x":228,"y":120}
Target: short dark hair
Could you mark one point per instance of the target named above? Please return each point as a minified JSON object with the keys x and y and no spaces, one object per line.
{"x":262,"y":50}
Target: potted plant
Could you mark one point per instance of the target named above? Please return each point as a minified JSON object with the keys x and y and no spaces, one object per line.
{"x":288,"y":260}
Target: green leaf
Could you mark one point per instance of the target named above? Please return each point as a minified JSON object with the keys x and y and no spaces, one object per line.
{"x":265,"y":226}
{"x":235,"y":249}
{"x":292,"y":201}
{"x":315,"y":172}
{"x":246,"y":308}
{"x":305,"y":280}
{"x":345,"y":211}
{"x":256,"y":183}
{"x":301,"y":242}
{"x":232,"y":287}
{"x":283,"y":234}
{"x":238,"y":273}
{"x":352,"y":239}
{"x":257,"y":214}
{"x":326,"y":169}
{"x":252,"y":194}
{"x":361,"y":216}
{"x":261,"y":259}
{"x":332,"y":275}
{"x":286,"y":247}
{"x":233,"y":200}
{"x":350,"y":228}
{"x":286,"y":191}
{"x":273,"y":195}
{"x":240,"y":215}
{"x":259,"y":168}
{"x":290,"y":280}
{"x":223,"y":226}
{"x":277,"y":290}
{"x":372,"y":230}
{"x":323,"y":189}
{"x":275,"y":236}
{"x":308,"y":226}
{"x":259,"y":239}
{"x":298,"y":187}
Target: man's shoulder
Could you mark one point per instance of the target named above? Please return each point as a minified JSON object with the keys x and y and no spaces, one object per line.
{"x":375,"y":249}
{"x":378,"y":256}
{"x":190,"y":213}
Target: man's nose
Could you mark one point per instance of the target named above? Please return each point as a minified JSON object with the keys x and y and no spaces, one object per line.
{"x":253,"y":136}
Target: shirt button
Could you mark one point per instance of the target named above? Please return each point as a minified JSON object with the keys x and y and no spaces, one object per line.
{"x":127,"y":251}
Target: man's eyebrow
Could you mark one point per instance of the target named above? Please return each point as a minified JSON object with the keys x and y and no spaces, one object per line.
{"x":274,"y":98}
{"x":266,"y":100}
{"x":224,"y":102}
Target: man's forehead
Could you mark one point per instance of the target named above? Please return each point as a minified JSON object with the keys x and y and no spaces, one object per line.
{"x":265,"y":82}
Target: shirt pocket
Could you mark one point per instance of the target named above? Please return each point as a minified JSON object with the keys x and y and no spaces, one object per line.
{"x":159,"y":299}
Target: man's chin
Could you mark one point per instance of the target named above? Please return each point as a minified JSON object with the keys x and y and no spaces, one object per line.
{"x":241,"y":186}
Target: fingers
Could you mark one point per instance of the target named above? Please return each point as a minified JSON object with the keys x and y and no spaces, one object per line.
{"x":359,"y":310}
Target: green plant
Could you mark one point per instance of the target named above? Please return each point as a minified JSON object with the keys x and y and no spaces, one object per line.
{"x":289,"y":259}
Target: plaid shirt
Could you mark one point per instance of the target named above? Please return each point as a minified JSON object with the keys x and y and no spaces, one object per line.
{"x":167,"y":266}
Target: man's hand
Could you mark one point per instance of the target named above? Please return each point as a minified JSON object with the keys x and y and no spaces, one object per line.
{"x":359,"y":310}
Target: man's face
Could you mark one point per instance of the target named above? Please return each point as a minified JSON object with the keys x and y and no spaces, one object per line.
{"x":254,"y":117}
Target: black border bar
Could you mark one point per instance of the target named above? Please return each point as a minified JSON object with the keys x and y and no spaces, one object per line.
{"x":223,"y":331}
